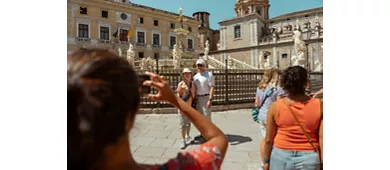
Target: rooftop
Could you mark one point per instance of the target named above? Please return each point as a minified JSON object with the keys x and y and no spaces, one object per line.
{"x":159,"y":10}
{"x":298,"y":13}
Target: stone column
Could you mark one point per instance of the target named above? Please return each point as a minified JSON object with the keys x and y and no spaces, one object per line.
{"x":251,"y":32}
{"x":73,"y":27}
{"x":256,"y":35}
{"x":275,"y":57}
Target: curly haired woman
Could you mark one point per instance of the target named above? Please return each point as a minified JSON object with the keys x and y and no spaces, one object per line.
{"x":294,"y":126}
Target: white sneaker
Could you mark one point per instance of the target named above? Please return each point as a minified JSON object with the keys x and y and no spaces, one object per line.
{"x":183,"y":144}
{"x":188,"y":140}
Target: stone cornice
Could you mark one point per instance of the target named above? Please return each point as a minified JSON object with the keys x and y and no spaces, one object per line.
{"x":132,"y":6}
{"x":263,"y":46}
{"x":297,"y":14}
{"x":242,"y":18}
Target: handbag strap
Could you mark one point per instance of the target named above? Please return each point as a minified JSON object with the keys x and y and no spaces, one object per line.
{"x":303,"y":130}
{"x":265,"y":98}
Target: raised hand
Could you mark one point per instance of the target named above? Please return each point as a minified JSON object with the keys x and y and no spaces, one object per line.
{"x":165,"y":93}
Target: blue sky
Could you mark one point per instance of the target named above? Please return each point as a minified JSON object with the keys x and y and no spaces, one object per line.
{"x":224,"y":9}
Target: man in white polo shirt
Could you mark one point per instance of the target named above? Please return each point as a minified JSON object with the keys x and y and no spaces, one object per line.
{"x":204,"y":82}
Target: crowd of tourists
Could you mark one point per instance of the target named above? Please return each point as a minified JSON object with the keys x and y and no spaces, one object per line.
{"x":103,"y":100}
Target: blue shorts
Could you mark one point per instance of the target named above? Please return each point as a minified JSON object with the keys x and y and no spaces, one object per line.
{"x":293,"y":160}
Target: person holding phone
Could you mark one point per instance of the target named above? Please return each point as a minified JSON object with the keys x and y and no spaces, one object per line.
{"x":186,"y":91}
{"x":103,"y":99}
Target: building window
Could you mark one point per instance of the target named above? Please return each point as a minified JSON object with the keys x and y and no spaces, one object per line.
{"x":140,"y":20}
{"x":237,"y":31}
{"x":156,"y":39}
{"x":259,"y":12}
{"x":189,"y":44}
{"x":172,"y":26}
{"x":83,"y":31}
{"x":83,"y":10}
{"x":140,"y":55}
{"x":172,"y":41}
{"x":284,"y":56}
{"x":141,"y":37}
{"x":105,"y":14}
{"x":123,"y":36}
{"x":306,"y":15}
{"x":189,"y":29}
{"x":104,"y":33}
{"x":155,"y":22}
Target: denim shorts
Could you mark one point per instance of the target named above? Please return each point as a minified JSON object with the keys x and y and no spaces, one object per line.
{"x":293,"y":160}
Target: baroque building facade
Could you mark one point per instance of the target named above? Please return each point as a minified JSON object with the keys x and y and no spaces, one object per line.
{"x":106,"y":24}
{"x":254,"y":38}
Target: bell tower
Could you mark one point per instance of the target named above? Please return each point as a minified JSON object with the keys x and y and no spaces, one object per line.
{"x":247,"y":7}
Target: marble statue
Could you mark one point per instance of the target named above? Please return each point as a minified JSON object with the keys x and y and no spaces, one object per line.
{"x":299,"y":45}
{"x":181,"y":11}
{"x":318,"y":66}
{"x":150,"y":63}
{"x":267,"y":63}
{"x":297,"y":27}
{"x":295,"y":61}
{"x":174,"y":52}
{"x":130,"y":54}
{"x":317,"y":24}
{"x":143,"y":64}
{"x":206,"y":50}
{"x":280,"y":30}
{"x":261,"y":56}
{"x":120,"y":52}
{"x":219,"y":45}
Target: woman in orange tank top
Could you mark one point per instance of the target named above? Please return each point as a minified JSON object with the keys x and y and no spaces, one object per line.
{"x":287,"y":145}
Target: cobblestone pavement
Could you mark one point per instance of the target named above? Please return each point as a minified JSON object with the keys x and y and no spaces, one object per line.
{"x":156,"y":139}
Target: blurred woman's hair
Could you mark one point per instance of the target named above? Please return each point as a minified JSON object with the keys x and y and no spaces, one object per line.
{"x":267,"y":77}
{"x":102,"y":96}
{"x":294,"y":80}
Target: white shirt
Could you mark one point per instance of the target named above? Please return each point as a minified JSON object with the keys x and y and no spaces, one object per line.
{"x":203,"y":82}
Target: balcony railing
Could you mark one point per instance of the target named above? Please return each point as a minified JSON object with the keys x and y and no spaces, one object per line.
{"x":101,"y":41}
{"x":83,"y":40}
{"x":156,"y":46}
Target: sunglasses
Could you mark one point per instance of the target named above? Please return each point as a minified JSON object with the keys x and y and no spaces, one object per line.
{"x":200,"y":65}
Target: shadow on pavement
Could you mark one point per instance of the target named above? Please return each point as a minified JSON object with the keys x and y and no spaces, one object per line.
{"x":237,"y":139}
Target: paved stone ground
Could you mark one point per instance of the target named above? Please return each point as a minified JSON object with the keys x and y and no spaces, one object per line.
{"x":156,"y":138}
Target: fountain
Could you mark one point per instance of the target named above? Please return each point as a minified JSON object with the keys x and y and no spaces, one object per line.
{"x":181,"y":58}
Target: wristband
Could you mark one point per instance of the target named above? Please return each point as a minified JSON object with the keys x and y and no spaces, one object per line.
{"x":266,"y":160}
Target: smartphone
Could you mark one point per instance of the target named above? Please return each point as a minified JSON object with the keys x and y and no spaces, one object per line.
{"x":141,"y":79}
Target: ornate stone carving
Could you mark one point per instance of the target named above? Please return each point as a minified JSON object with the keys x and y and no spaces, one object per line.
{"x":318,"y":66}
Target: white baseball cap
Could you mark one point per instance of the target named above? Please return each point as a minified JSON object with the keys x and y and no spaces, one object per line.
{"x":187,"y":70}
{"x":200,"y":61}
